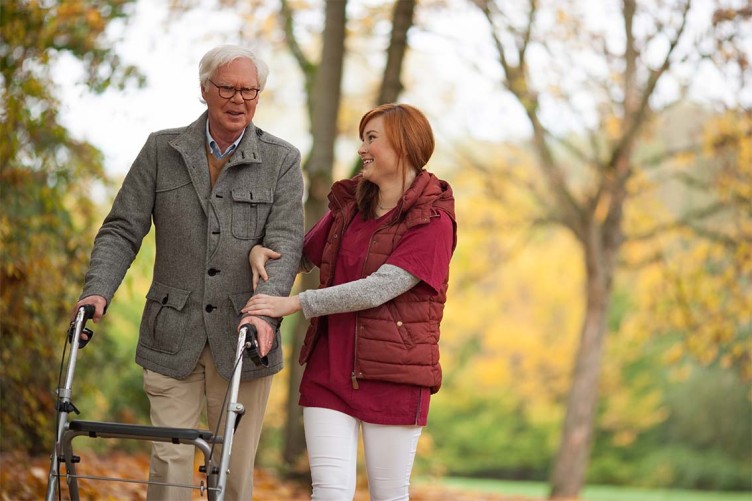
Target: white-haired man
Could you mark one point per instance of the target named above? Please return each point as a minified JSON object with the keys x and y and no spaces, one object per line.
{"x":213,"y":190}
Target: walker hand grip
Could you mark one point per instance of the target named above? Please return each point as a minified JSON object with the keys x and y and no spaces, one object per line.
{"x":89,"y":311}
{"x":81,"y":341}
{"x":251,"y":346}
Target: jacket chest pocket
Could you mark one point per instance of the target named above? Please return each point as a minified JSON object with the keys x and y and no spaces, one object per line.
{"x":250,"y":208}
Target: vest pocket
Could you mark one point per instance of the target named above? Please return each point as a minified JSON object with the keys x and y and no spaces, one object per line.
{"x":250,"y":208}
{"x":165,"y":321}
{"x":404,"y":333}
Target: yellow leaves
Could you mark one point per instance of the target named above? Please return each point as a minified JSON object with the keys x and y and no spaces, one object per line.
{"x":728,"y":140}
{"x":697,"y":282}
{"x":562,"y":16}
{"x":512,"y":317}
{"x":630,"y":407}
{"x":699,"y":296}
{"x":612,"y":126}
{"x":75,"y":11}
{"x":685,"y":159}
{"x":674,"y":354}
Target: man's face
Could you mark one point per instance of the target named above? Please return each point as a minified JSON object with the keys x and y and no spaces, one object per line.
{"x":228,"y":117}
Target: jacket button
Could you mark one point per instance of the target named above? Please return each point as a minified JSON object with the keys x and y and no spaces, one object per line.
{"x":399,"y":323}
{"x":213,"y":271}
{"x":165,"y":299}
{"x":209,"y":308}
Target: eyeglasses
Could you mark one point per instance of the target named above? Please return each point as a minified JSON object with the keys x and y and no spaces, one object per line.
{"x":228,"y":92}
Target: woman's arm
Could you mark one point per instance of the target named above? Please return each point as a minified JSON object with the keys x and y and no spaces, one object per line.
{"x":384,"y":284}
{"x":381,"y":286}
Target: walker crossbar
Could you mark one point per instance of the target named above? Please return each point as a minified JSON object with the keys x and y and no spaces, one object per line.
{"x":203,"y":440}
{"x":100,"y":429}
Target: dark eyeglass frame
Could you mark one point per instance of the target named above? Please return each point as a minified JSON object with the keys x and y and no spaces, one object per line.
{"x":228,"y":92}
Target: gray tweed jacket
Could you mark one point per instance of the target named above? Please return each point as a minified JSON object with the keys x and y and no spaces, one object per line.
{"x":201,"y":274}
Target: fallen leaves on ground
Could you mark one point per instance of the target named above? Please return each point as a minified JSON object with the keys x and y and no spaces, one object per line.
{"x":24,"y":478}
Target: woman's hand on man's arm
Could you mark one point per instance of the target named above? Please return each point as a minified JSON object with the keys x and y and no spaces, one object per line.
{"x":257,"y":258}
{"x":271,"y":306}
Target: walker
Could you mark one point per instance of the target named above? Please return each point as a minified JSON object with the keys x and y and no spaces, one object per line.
{"x":203,"y":440}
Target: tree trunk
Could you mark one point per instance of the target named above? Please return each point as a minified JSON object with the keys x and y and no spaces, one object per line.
{"x":570,"y":466}
{"x":402,"y":21}
{"x":294,"y":445}
{"x":324,"y":105}
{"x":391,"y":84}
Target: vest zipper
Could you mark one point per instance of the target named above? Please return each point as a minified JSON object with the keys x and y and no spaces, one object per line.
{"x":355,"y":384}
{"x":353,"y":375}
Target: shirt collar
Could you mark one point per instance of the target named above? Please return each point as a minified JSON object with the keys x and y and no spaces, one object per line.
{"x":215,"y":148}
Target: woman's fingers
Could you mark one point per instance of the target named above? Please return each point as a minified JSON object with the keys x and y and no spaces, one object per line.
{"x":257,"y":305}
{"x":272,"y":254}
{"x":257,"y":258}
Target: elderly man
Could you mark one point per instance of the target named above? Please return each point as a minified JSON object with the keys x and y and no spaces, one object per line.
{"x":213,"y":189}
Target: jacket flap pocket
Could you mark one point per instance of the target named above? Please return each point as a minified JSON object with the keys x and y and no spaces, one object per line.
{"x":239,"y":300}
{"x":257,"y":196}
{"x":168,"y":296}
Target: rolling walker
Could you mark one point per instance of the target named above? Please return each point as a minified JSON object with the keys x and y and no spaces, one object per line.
{"x":203,"y":440}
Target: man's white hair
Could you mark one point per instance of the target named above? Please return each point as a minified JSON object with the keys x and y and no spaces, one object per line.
{"x":223,"y":54}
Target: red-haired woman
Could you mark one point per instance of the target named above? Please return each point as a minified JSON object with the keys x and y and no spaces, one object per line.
{"x":371,"y":351}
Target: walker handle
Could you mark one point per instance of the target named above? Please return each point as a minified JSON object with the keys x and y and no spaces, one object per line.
{"x":89,"y":310}
{"x":251,"y":345}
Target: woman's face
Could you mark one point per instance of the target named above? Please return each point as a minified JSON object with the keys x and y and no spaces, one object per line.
{"x":380,"y":161}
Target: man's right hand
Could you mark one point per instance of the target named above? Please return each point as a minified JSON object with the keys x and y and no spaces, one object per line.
{"x":99,"y":303}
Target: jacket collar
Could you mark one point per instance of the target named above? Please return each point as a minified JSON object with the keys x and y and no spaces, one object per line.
{"x":192,"y":144}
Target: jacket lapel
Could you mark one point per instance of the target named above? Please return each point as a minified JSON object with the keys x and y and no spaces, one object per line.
{"x":192,"y":147}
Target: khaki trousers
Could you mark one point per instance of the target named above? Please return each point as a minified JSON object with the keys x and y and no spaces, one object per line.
{"x":178,"y":403}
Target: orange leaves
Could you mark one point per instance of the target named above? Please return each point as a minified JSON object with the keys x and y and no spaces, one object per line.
{"x":24,"y":478}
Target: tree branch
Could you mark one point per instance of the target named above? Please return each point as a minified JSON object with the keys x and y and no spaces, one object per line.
{"x":517,"y":84}
{"x":687,"y":220}
{"x":402,"y":21}
{"x":306,"y":66}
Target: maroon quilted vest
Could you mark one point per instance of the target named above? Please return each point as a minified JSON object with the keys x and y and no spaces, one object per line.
{"x":397,"y":341}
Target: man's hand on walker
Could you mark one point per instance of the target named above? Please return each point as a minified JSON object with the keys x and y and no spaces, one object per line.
{"x":264,"y":332}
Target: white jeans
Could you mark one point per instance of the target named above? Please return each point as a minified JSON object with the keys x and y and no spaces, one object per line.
{"x":332,"y":441}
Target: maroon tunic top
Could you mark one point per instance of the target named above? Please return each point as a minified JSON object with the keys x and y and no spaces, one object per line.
{"x":423,"y":251}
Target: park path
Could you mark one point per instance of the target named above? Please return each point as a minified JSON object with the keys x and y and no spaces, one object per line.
{"x":24,"y":478}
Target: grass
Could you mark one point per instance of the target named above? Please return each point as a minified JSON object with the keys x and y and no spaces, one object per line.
{"x":539,"y":490}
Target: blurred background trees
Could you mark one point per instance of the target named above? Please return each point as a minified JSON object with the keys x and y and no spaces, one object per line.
{"x":552,"y":56}
{"x":599,"y":308}
{"x":47,"y":179}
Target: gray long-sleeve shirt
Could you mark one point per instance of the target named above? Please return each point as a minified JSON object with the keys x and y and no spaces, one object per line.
{"x":384,"y":284}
